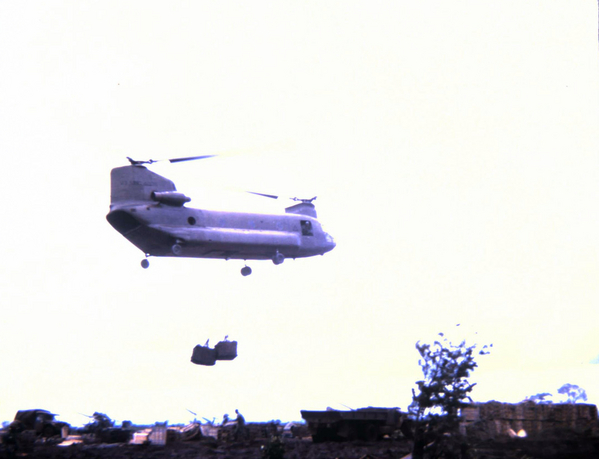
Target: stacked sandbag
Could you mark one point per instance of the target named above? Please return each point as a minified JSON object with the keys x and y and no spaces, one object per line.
{"x":495,"y":419}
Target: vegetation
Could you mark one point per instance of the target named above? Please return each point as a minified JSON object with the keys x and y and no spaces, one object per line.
{"x":573,"y":393}
{"x":274,"y":449}
{"x":540,"y":398}
{"x":443,"y":391}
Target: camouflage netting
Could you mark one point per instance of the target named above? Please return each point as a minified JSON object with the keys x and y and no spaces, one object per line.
{"x":493,"y":419}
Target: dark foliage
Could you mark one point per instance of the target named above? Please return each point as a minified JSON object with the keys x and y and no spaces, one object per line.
{"x":443,"y":391}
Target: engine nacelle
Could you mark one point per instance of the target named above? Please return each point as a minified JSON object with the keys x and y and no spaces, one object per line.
{"x":170,"y":198}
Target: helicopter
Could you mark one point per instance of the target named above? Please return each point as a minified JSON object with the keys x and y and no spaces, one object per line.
{"x":147,"y":210}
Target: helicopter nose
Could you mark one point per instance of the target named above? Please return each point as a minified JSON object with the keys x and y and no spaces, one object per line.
{"x":330,"y":242}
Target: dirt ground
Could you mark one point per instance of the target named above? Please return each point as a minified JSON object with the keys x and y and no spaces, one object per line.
{"x":293,"y":449}
{"x":570,"y":446}
{"x":305,"y":449}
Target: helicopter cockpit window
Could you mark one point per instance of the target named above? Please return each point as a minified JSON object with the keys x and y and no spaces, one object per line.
{"x":306,"y":228}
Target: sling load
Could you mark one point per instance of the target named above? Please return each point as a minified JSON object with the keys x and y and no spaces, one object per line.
{"x":205,"y":355}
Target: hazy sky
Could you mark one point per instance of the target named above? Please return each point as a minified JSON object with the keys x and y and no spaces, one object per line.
{"x":453,"y":147}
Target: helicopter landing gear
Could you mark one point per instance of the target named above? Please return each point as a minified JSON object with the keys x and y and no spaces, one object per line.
{"x":145,"y":264}
{"x":278,"y":258}
{"x":246,"y":271}
{"x":176,"y":249}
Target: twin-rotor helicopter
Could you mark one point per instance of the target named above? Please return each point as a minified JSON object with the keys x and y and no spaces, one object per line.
{"x":147,"y":209}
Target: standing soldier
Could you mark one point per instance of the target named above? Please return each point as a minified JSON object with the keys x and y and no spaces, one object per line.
{"x":240,"y":429}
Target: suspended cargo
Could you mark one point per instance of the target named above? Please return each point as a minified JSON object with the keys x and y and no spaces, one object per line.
{"x":226,"y":350}
{"x":205,"y":355}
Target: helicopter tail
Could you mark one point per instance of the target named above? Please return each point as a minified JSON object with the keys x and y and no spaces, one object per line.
{"x":135,"y":184}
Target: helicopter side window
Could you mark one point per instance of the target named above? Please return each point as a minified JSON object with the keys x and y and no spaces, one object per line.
{"x":306,"y":228}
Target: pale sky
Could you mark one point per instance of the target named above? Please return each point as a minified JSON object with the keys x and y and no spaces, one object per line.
{"x":453,"y":147}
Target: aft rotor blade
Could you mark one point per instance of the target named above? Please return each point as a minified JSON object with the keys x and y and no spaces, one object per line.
{"x":271,"y":196}
{"x":307,"y":201}
{"x":190,"y":158}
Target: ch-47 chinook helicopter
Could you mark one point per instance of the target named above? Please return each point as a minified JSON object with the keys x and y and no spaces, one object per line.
{"x":147,"y":209}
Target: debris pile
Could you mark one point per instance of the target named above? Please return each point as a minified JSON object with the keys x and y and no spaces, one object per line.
{"x":102,"y":430}
{"x":39,"y":422}
{"x":368,"y":424}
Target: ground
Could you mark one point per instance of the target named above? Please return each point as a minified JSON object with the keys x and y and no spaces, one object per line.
{"x":305,"y":449}
{"x":293,"y":449}
{"x":556,"y":445}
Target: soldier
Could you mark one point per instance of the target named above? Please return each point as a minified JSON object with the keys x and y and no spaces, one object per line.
{"x":240,"y":428}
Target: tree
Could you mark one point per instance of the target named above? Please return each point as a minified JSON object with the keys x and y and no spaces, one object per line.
{"x":446,"y":367}
{"x":540,"y":398}
{"x":443,"y":391}
{"x":573,"y":392}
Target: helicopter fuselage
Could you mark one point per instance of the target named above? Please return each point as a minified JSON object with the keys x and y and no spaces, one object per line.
{"x":157,"y":229}
{"x":148,"y":211}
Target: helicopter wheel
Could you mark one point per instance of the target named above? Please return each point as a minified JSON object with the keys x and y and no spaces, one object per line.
{"x":246,"y":271}
{"x":145,"y":264}
{"x":177,"y":249}
{"x":278,"y":258}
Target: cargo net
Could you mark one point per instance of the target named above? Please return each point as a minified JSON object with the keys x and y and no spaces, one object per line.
{"x":205,"y":355}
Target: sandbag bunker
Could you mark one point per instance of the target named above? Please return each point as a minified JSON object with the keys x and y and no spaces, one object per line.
{"x":205,"y":355}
